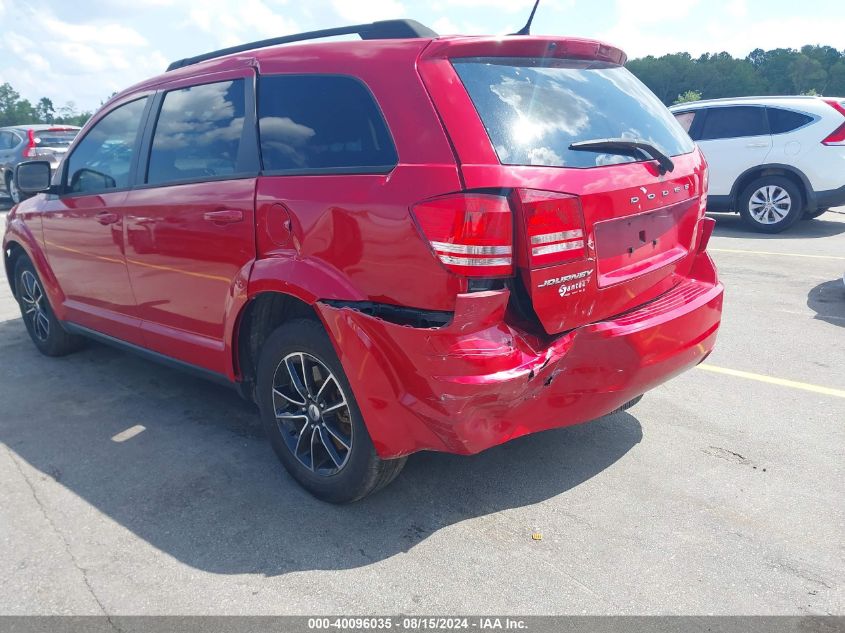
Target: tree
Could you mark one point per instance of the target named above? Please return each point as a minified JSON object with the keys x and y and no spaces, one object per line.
{"x":688,"y":96}
{"x":807,"y":74}
{"x":836,"y":79}
{"x":45,"y":111}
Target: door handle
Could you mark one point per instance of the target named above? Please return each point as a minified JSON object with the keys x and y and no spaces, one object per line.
{"x":106,"y":217}
{"x":757,"y":145}
{"x":226,"y":216}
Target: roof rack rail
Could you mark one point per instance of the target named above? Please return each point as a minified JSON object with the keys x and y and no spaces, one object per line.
{"x":383,"y":30}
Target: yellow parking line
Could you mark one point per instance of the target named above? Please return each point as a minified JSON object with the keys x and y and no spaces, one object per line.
{"x":734,"y":250}
{"x":827,"y":391}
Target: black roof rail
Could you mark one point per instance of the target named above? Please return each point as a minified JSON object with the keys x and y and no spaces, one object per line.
{"x":384,"y":30}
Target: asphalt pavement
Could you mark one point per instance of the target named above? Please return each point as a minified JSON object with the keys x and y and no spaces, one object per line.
{"x":129,"y":488}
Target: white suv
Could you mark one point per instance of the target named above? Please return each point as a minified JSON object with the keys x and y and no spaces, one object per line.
{"x":772,"y":159}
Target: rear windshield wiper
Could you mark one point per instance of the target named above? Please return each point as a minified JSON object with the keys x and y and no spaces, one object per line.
{"x":626,"y":145}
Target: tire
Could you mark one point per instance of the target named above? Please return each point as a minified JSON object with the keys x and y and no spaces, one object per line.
{"x":771,"y":204}
{"x":812,"y":215}
{"x":13,"y":191}
{"x":312,"y":419}
{"x":44,"y":328}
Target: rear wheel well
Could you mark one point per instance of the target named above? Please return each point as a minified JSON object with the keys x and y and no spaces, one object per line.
{"x":13,"y":252}
{"x":762,"y":172}
{"x":261,"y":317}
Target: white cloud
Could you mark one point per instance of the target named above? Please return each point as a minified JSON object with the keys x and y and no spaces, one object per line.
{"x":86,"y":63}
{"x":357,"y":12}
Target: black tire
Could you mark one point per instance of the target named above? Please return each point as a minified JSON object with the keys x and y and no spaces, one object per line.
{"x":361,"y":472}
{"x":759,"y":219}
{"x":44,"y":328}
{"x":812,"y":215}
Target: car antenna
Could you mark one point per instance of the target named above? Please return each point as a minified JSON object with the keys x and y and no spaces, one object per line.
{"x":526,"y":30}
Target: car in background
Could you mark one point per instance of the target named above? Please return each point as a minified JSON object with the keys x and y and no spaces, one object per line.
{"x":773,"y":160}
{"x":28,"y":142}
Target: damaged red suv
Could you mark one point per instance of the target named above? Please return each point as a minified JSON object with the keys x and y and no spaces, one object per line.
{"x":404,"y":243}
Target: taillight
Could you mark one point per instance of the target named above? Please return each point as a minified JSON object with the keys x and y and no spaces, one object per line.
{"x":838,"y":135}
{"x":29,"y":151}
{"x":471,"y":234}
{"x":706,"y":226}
{"x":553,"y":227}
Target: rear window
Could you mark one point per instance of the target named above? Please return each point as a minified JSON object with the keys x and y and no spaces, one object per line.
{"x":535,"y":108}
{"x":54,"y":138}
{"x":321,"y":123}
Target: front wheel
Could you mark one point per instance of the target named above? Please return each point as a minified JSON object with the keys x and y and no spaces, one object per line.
{"x":44,"y":328}
{"x":771,"y":204}
{"x":312,"y":419}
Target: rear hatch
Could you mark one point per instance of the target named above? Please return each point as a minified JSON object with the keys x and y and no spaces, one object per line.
{"x":596,"y":231}
{"x":52,"y":141}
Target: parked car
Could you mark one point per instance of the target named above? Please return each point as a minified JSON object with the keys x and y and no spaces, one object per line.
{"x":398,"y":244}
{"x":773,"y":160}
{"x":26,"y":142}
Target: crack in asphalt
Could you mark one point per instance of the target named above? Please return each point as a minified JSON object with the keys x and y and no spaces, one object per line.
{"x":83,"y":572}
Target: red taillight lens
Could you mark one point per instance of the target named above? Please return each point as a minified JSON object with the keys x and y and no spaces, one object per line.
{"x":471,"y":234}
{"x":29,"y":152}
{"x":554,"y":227}
{"x":838,"y":135}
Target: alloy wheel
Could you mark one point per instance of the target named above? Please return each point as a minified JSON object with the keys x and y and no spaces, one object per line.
{"x":770,"y":204}
{"x":34,"y":308}
{"x":312,"y":413}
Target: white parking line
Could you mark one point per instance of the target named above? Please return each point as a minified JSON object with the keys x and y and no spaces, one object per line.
{"x":129,"y":433}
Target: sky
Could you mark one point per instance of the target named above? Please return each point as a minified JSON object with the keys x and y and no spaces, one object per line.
{"x":84,"y":50}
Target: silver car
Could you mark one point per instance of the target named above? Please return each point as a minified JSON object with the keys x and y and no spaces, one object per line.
{"x":27,"y":142}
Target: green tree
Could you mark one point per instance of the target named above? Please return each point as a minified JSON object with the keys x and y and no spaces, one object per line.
{"x":836,"y":79}
{"x":807,"y":74}
{"x":45,"y":111}
{"x":688,"y":96}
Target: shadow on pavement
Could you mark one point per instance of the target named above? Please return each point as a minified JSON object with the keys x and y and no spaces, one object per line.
{"x":202,"y":484}
{"x":827,"y":300}
{"x":731,"y":225}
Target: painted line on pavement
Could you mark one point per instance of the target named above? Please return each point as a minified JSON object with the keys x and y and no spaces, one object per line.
{"x":827,"y":391}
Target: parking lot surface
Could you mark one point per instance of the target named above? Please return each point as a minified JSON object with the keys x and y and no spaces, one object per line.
{"x":129,"y":488}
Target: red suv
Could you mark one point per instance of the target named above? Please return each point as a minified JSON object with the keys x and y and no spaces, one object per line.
{"x":391,"y":245}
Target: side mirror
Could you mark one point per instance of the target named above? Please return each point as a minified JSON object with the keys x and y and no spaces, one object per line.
{"x":33,"y":176}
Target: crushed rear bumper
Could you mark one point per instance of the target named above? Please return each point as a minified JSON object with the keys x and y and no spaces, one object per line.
{"x":479,"y":382}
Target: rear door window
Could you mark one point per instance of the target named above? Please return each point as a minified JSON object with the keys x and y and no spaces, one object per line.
{"x":103,"y":158}
{"x":782,"y":121}
{"x":198,"y":133}
{"x":534,"y":109}
{"x":734,"y":122}
{"x":322,"y":124}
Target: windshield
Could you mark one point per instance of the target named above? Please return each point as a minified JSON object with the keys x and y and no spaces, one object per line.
{"x":535,"y":108}
{"x":54,"y":138}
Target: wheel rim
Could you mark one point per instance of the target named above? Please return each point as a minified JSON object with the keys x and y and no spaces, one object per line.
{"x":770,"y":204}
{"x":312,"y":414}
{"x":34,"y":306}
{"x":14,"y":193}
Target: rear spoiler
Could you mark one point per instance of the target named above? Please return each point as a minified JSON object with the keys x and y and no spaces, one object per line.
{"x":525,"y":46}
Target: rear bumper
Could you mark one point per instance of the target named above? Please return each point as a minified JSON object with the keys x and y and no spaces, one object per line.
{"x":479,"y":382}
{"x":832,"y":198}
